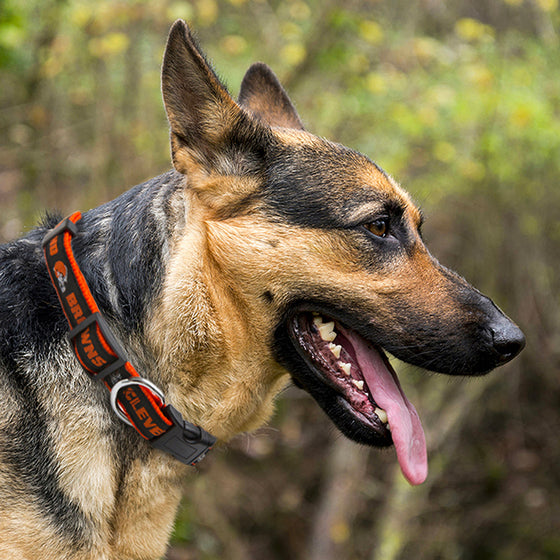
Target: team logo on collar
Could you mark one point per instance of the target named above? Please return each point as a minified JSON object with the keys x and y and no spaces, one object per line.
{"x":61,"y":275}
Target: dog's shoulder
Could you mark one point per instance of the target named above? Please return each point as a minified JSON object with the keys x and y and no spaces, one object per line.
{"x":121,"y":247}
{"x":28,"y":312}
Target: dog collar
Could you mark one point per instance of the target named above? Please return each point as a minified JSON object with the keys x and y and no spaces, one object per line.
{"x":135,"y":400}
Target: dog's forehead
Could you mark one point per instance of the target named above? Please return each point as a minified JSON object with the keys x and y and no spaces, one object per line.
{"x":378,"y":181}
{"x":313,"y":181}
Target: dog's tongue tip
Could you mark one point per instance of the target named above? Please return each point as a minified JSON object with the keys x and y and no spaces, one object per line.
{"x":407,"y":432}
{"x":417,"y":478}
{"x":406,"y":428}
{"x":411,"y":452}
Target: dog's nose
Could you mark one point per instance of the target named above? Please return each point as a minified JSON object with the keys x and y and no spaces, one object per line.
{"x":507,"y":338}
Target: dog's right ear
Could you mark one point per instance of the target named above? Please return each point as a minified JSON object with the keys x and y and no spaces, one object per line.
{"x":262,"y":93}
{"x":205,"y":120}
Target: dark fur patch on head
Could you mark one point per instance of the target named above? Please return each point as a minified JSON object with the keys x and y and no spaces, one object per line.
{"x":319,"y":184}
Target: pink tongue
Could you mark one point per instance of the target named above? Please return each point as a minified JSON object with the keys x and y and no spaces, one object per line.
{"x":406,"y":429}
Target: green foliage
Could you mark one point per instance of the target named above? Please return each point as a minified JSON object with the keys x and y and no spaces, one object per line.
{"x":458,"y":100}
{"x":11,"y":34}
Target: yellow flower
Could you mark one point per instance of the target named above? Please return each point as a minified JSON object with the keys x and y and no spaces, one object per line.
{"x":371,"y":31}
{"x":293,"y":53}
{"x":473,"y":30}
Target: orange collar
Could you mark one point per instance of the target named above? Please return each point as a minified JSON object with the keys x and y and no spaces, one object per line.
{"x":135,"y":400}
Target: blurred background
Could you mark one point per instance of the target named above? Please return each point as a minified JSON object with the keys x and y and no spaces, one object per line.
{"x":460,"y":101}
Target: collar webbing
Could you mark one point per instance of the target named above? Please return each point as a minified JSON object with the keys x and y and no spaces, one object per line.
{"x":136,"y":401}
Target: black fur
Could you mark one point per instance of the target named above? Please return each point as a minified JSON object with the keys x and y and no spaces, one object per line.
{"x":119,"y":248}
{"x":33,"y":466}
{"x":30,"y":317}
{"x":122,"y":250}
{"x":305,"y":193}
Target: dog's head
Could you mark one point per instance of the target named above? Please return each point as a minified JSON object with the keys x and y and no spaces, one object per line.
{"x":313,"y":263}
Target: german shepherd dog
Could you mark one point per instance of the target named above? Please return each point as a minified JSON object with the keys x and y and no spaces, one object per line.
{"x":266,"y":254}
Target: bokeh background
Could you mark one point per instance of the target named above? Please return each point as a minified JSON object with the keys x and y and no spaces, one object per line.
{"x":460,"y":101}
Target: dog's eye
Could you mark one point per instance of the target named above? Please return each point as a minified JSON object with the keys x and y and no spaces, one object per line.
{"x":379,"y":228}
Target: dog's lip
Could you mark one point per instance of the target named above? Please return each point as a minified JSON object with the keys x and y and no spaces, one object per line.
{"x":360,"y":404}
{"x":376,"y":382}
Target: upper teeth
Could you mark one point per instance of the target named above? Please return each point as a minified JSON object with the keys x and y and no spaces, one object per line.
{"x":326,"y":330}
{"x":318,"y":320}
{"x":335,"y":349}
{"x":328,"y":334}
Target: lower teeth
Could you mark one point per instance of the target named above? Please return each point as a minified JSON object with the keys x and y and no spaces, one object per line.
{"x":358,"y":384}
{"x":382,"y":415}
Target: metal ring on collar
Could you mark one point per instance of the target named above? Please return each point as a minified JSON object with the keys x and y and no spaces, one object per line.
{"x":126,"y":383}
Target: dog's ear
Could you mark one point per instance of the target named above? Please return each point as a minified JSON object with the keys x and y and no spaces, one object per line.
{"x":205,"y":120}
{"x":263,"y":95}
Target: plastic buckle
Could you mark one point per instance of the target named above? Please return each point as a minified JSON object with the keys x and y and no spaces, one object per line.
{"x":66,"y":225}
{"x":184,"y":441}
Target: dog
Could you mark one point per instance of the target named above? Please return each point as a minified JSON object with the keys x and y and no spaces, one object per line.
{"x":266,"y":254}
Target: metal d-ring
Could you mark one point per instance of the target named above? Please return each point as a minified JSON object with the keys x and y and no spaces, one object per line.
{"x":126,"y":383}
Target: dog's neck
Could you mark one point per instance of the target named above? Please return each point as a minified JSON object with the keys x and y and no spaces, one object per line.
{"x":122,"y":248}
{"x":146,"y":260}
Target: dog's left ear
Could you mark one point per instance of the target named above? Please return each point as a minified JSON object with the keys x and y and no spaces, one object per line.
{"x":207,"y":125}
{"x":262,"y":93}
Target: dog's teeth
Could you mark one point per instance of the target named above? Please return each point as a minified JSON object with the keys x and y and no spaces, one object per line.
{"x":381,"y":414}
{"x":335,"y":349}
{"x":326,"y":330}
{"x":345,"y":367}
{"x":359,"y":384}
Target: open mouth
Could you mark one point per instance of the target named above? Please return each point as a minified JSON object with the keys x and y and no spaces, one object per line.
{"x":356,"y":385}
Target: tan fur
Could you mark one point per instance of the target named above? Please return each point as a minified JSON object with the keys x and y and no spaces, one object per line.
{"x":212,"y":325}
{"x":216,"y":349}
{"x":16,"y":526}
{"x":232,"y":269}
{"x":147,"y":502}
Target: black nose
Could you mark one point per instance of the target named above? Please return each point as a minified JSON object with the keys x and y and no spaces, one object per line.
{"x":507,"y":338}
